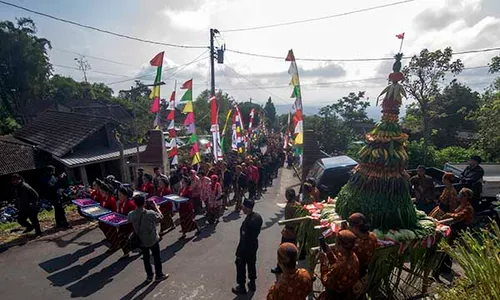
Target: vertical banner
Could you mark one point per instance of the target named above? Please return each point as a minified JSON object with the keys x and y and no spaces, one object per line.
{"x":297,"y":94}
{"x":189,"y":122}
{"x":157,"y":62}
{"x":173,"y":152}
{"x":216,"y":145}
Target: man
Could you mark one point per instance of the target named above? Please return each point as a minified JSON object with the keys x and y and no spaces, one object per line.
{"x":140,"y":173}
{"x":425,"y":193}
{"x":226,"y":178}
{"x":246,"y":253}
{"x":472,"y":178}
{"x":51,"y":186}
{"x":27,"y":200}
{"x":240,"y":185}
{"x":253,"y":179}
{"x":366,"y":241}
{"x":157,"y":176}
{"x":288,"y":233}
{"x":145,"y":223}
{"x":196,"y":188}
{"x":294,"y":283}
{"x":340,"y":268}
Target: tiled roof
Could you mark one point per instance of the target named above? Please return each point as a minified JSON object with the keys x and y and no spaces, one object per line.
{"x":93,"y":156}
{"x":17,"y":156}
{"x":116,"y":112}
{"x":58,"y":132}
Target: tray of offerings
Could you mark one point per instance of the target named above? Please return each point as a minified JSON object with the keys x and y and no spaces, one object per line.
{"x":114,"y":219}
{"x":159,"y":200}
{"x":95,"y":211}
{"x":84,"y":202}
{"x":176,"y":198}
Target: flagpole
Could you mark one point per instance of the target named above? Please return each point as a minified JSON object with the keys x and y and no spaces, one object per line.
{"x":401,"y":45}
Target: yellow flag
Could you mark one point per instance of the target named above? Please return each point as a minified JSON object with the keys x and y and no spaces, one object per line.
{"x":299,"y":138}
{"x":155,"y":92}
{"x":295,"y":80}
{"x":196,"y":158}
{"x":188,"y":107}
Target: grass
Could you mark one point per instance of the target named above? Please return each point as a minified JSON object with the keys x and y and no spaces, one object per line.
{"x":44,"y":216}
{"x":479,"y":257}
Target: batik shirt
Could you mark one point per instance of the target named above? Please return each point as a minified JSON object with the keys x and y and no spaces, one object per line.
{"x":365,"y":248}
{"x":340,"y":274}
{"x":294,"y":286}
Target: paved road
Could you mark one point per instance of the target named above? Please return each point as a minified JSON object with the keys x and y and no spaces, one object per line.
{"x":74,"y":265}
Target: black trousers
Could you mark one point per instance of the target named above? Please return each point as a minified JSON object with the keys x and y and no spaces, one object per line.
{"x":32,"y":215}
{"x":59,"y":213}
{"x":252,"y":189}
{"x":242,"y":263}
{"x":155,"y":250}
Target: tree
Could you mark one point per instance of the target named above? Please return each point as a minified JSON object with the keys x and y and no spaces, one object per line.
{"x":202,"y":110}
{"x":24,"y":70}
{"x":352,"y":108}
{"x":270,"y":113}
{"x":423,"y":75}
{"x":245,"y":108}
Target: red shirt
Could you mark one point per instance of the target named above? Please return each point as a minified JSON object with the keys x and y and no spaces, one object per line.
{"x":164,"y":191}
{"x":109,"y":203}
{"x":96,"y":196}
{"x":126,"y":207}
{"x":186,"y":207}
{"x":148,"y":188}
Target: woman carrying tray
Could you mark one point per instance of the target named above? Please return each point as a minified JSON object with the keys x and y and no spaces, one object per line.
{"x":147,"y":186}
{"x":125,"y":205}
{"x":186,"y":210}
{"x":214,"y":201}
{"x":166,"y":208}
{"x":108,"y":202}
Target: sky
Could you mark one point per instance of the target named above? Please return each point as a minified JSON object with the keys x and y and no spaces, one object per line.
{"x":434,"y":24}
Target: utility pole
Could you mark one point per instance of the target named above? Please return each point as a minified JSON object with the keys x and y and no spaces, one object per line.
{"x":83,"y":65}
{"x":212,"y":61}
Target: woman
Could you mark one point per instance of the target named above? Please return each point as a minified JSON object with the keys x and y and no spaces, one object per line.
{"x":147,"y":186}
{"x":214,"y":200}
{"x":340,"y":270}
{"x":196,"y":192}
{"x":110,"y":232}
{"x":166,"y":208}
{"x":186,"y":210}
{"x":366,"y":241}
{"x":463,"y":217}
{"x":96,"y":194}
{"x":125,"y":205}
{"x":447,"y":200}
{"x":307,"y":196}
{"x":205,"y":189}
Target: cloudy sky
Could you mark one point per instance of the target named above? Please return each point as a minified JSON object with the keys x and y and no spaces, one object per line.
{"x":434,"y":24}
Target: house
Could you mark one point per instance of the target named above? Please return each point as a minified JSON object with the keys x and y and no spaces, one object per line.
{"x":23,"y":158}
{"x":84,"y":145}
{"x":97,"y":108}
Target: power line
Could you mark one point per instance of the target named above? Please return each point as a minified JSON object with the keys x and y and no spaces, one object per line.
{"x":319,"y":18}
{"x":95,"y":71}
{"x":195,"y":60}
{"x":326,"y":84}
{"x":99,"y":29}
{"x":355,"y":59}
{"x":94,"y":57}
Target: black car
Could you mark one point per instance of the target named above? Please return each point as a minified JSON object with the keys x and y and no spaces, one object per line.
{"x":331,"y":174}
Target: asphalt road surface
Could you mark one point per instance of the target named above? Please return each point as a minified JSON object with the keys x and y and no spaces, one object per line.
{"x":75,"y":266}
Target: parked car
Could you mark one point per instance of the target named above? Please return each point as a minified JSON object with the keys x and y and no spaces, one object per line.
{"x":331,"y":174}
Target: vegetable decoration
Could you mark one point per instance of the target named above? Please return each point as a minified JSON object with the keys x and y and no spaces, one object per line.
{"x":377,"y":188}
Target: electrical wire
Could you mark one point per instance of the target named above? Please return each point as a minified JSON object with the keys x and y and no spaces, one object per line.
{"x":317,"y":19}
{"x":195,"y":60}
{"x":94,"y":57}
{"x":90,"y":71}
{"x":355,"y":59}
{"x":99,"y":29}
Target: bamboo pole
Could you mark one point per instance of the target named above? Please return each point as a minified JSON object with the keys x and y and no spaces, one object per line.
{"x":294,"y":220}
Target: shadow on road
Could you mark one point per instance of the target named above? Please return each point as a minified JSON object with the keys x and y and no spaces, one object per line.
{"x":61,"y":262}
{"x":137,"y":289}
{"x":169,"y":252}
{"x":93,"y":283}
{"x":76,"y":272}
{"x":248,"y":296}
{"x":273,"y":220}
{"x":206,"y":232}
{"x":231,"y":217}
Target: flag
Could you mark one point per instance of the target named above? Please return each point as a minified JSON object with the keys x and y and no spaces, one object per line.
{"x":224,"y":129}
{"x":215,"y":129}
{"x":189,"y":119}
{"x":157,"y":61}
{"x":188,"y":108}
{"x":188,"y":85}
{"x":190,"y":129}
{"x":400,"y":36}
{"x":155,"y":106}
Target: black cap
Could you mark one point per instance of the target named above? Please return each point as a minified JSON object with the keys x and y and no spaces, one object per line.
{"x":476,"y":158}
{"x":248,"y":203}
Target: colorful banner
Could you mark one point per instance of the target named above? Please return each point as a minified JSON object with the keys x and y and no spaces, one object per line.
{"x":157,"y":62}
{"x":189,"y":122}
{"x":238,"y":139}
{"x":225,"y":128}
{"x":297,"y":94}
{"x":173,"y":151}
{"x":216,"y":147}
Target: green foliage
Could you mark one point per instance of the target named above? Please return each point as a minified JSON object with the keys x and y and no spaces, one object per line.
{"x":418,"y":153}
{"x":423,"y":76}
{"x":270,"y":114}
{"x":495,"y":64}
{"x":488,"y":122}
{"x":332,"y":134}
{"x":479,"y":257}
{"x":455,"y":154}
{"x":24,"y":69}
{"x":351,"y":108}
{"x":7,"y":125}
{"x":353,"y":150}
